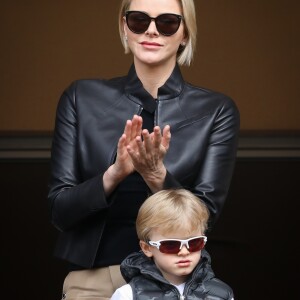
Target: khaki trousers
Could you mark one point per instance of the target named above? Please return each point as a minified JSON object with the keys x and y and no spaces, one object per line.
{"x":94,"y":284}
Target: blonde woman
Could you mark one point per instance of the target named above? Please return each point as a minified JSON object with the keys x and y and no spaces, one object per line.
{"x":112,"y":145}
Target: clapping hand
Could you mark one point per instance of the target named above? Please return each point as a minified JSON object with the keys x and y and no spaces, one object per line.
{"x":140,"y":151}
{"x":147,"y":152}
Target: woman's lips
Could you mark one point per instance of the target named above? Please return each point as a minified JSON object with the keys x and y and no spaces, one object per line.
{"x":150,"y":44}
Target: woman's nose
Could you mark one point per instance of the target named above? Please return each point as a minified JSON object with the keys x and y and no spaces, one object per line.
{"x":152,"y":30}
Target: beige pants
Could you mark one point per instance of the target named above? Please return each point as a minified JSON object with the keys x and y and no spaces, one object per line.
{"x":94,"y":284}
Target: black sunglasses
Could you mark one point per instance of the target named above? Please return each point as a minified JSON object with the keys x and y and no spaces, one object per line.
{"x":173,"y":246}
{"x":166,"y":24}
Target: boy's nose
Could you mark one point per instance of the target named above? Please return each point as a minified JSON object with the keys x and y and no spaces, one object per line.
{"x":184,"y":251}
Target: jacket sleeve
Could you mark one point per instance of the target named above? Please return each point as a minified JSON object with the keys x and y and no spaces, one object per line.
{"x":212,"y":180}
{"x":70,"y":199}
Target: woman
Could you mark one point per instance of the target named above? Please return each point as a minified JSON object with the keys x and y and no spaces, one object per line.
{"x":112,"y":145}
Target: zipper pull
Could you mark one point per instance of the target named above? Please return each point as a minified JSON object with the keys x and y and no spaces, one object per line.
{"x":181,"y":297}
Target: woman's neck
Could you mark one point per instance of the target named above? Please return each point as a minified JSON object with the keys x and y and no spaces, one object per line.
{"x":153,"y":77}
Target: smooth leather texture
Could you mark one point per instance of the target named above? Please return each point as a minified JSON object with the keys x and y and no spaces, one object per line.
{"x":90,"y":119}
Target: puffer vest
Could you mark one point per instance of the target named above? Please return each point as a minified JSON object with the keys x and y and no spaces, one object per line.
{"x":147,"y":282}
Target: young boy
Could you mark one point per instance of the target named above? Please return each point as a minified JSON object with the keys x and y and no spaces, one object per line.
{"x":173,"y":263}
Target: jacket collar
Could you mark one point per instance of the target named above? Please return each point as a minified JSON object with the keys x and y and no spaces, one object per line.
{"x":171,"y":89}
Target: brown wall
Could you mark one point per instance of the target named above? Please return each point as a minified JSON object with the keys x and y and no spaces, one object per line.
{"x":246,"y":49}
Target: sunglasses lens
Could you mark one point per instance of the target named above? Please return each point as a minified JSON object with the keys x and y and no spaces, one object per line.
{"x":167,"y":24}
{"x":196,"y":244}
{"x":137,"y":22}
{"x":169,"y":247}
{"x":173,"y":247}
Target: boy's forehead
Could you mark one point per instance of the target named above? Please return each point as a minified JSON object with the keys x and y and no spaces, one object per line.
{"x":160,"y":233}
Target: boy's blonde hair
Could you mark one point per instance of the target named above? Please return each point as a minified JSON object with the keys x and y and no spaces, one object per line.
{"x":185,"y":53}
{"x":170,"y":211}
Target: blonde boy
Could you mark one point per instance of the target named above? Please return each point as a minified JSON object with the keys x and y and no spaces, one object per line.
{"x":173,"y":264}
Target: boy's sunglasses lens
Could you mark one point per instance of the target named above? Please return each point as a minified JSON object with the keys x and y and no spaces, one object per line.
{"x":166,"y":24}
{"x":196,"y":244}
{"x":173,"y":247}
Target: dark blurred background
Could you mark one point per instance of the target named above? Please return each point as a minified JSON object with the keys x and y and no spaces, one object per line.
{"x":248,"y":50}
{"x":254,"y":245}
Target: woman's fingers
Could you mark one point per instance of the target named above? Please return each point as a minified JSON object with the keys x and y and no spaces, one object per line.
{"x":166,"y":138}
{"x":145,"y":149}
{"x":147,"y":144}
{"x":127,"y":131}
{"x":136,"y":126}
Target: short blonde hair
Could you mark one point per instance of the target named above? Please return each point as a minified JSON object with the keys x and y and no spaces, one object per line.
{"x":185,"y":53}
{"x":171,"y":211}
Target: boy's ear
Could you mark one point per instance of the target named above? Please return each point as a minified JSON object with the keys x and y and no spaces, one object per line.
{"x":146,"y":248}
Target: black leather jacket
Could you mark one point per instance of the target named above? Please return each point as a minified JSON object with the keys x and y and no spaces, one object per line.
{"x":90,"y":119}
{"x":147,"y":281}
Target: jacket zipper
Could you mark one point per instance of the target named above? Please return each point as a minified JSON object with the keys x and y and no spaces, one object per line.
{"x":180,"y":297}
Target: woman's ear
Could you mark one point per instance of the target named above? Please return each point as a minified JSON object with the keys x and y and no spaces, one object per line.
{"x":124,"y":26}
{"x":146,"y":248}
